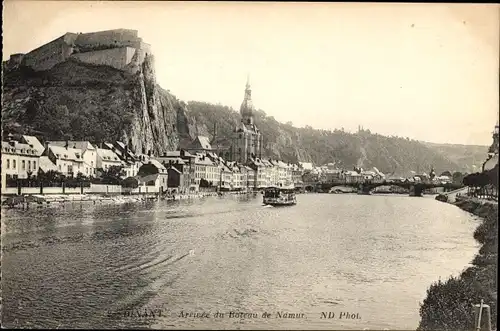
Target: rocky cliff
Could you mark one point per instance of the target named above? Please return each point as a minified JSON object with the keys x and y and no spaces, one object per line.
{"x":80,"y":101}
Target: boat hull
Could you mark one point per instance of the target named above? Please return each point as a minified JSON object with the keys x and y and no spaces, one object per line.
{"x":280,"y":204}
{"x":275,"y":203}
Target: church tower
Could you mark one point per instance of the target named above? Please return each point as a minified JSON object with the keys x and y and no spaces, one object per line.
{"x":246,"y":108}
{"x":247,"y":139}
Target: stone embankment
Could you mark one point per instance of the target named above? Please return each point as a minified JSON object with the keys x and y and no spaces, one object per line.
{"x":448,"y":305}
{"x":55,"y":199}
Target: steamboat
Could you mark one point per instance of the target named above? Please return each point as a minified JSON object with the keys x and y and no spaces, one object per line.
{"x":279,"y":196}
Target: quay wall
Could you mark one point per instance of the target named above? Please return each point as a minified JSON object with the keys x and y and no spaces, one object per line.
{"x":46,"y":190}
{"x":93,"y":189}
{"x":448,"y":304}
{"x":102,"y":188}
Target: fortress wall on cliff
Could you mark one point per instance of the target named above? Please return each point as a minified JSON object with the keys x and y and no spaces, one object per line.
{"x":118,"y":45}
{"x":50,"y":54}
{"x":117,"y":58}
{"x":111,"y":38}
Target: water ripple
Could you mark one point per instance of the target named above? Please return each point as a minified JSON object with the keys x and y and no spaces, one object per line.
{"x":70,"y":267}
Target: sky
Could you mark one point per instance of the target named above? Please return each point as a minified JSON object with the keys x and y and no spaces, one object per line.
{"x":425,"y":71}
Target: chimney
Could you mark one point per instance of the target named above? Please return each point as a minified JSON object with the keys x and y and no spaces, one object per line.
{"x":183,"y":153}
{"x":66,"y":145}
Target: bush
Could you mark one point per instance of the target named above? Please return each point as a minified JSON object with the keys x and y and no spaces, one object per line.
{"x":448,"y":305}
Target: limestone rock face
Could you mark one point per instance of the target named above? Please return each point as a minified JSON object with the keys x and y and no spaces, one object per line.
{"x":80,"y":101}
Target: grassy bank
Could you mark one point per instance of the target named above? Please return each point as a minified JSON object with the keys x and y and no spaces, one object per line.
{"x":448,"y":305}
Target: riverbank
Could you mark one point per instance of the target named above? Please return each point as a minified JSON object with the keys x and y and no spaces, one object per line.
{"x":57,"y":199}
{"x":448,"y":305}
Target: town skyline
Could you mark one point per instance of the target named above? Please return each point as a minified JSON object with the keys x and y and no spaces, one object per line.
{"x":463,"y":95}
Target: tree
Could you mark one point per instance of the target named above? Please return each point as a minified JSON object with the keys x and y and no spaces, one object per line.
{"x":80,"y":177}
{"x":51,"y":176}
{"x":147,"y":169}
{"x":204,"y":183}
{"x":446,"y":173}
{"x":130,"y":182}
{"x":493,"y":176}
{"x":457,"y":177}
{"x":112,"y":175}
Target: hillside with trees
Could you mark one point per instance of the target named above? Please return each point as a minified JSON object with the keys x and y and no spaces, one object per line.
{"x":398,"y":155}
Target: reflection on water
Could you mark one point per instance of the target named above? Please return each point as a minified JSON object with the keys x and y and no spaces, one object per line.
{"x":99,"y":266}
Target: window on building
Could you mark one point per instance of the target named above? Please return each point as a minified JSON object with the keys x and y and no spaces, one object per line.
{"x":14,"y":164}
{"x":29,"y":165}
{"x":23,"y":165}
{"x":59,"y":167}
{"x":8,"y":164}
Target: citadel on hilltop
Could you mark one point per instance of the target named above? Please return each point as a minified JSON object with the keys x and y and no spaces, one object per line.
{"x":120,"y":48}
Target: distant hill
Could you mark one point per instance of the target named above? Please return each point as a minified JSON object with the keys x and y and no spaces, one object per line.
{"x":396,"y":155}
{"x":467,"y":155}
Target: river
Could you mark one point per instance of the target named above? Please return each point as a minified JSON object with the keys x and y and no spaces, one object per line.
{"x":88,"y":266}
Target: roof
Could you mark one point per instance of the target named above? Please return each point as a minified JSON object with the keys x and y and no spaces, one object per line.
{"x":282,"y":164}
{"x":352,"y":173}
{"x":177,"y":154}
{"x":37,"y":145}
{"x":148,"y":178}
{"x":46,"y":164}
{"x":306,"y":165}
{"x":369,"y":173}
{"x":200,"y":142}
{"x":62,"y":153}
{"x":119,"y":143}
{"x":173,"y":159}
{"x":378,"y":172}
{"x":174,"y":169}
{"x":157,"y":164}
{"x":203,"y":160}
{"x":123,"y":148}
{"x":108,"y":155}
{"x":18,"y":148}
{"x":224,"y":167}
{"x":83,"y":145}
{"x":221,"y":143}
{"x":267,"y":163}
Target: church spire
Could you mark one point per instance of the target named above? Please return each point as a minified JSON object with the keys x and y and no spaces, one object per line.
{"x":246,"y":109}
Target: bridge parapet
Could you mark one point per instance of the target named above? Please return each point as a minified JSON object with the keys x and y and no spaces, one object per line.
{"x":370,"y":185}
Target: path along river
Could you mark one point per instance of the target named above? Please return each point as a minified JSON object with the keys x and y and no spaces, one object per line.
{"x":96,"y":266}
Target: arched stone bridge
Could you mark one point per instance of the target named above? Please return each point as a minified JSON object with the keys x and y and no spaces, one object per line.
{"x":416,"y":189}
